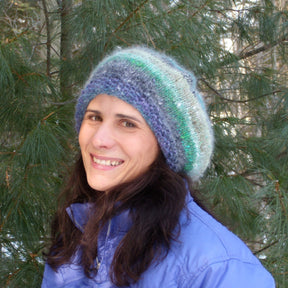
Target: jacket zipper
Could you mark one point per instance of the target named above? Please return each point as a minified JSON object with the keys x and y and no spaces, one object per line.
{"x":98,"y":263}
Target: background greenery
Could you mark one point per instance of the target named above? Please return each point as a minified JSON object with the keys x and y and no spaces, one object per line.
{"x":238,"y":50}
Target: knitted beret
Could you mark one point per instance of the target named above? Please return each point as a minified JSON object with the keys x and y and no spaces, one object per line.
{"x":166,"y":95}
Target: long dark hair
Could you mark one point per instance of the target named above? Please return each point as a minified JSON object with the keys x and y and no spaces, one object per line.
{"x":154,"y":200}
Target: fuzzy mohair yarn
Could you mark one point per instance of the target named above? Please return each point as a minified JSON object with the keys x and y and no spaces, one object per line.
{"x":165,"y":94}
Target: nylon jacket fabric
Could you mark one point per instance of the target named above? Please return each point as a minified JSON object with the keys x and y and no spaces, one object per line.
{"x":206,"y":255}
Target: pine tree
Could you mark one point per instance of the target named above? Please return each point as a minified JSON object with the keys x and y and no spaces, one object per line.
{"x":238,"y":50}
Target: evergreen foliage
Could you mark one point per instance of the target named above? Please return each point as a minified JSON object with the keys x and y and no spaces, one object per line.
{"x":238,"y":50}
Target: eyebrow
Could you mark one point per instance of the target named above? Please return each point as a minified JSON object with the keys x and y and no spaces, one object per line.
{"x":118,"y":115}
{"x":94,"y":111}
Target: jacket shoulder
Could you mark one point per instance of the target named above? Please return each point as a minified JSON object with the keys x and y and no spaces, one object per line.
{"x":207,"y":251}
{"x":199,"y":229}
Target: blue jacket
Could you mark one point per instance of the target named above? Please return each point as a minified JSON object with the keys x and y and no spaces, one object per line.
{"x":206,"y":255}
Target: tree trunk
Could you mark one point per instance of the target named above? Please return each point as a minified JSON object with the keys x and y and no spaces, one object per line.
{"x":65,"y":49}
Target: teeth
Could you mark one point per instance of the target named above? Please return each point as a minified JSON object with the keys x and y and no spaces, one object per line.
{"x":106,"y":162}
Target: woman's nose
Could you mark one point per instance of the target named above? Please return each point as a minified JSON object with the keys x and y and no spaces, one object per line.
{"x":103,"y":137}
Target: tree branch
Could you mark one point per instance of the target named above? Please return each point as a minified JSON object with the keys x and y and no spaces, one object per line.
{"x":266,"y":247}
{"x":243,"y":55}
{"x":237,"y":101}
{"x":63,"y":103}
{"x":126,"y":20}
{"x":200,"y":8}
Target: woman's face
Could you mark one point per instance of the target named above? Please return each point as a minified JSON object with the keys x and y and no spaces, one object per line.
{"x":116,"y":143}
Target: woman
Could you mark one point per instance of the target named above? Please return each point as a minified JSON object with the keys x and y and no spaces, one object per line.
{"x":128,"y":219}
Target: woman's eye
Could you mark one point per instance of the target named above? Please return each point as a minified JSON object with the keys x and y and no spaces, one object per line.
{"x":95,"y":118}
{"x":128,"y":124}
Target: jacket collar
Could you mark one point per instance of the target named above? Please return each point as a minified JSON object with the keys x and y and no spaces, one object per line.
{"x":79,"y":215}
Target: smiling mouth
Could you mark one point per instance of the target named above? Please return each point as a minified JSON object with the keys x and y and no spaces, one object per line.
{"x":110,"y":163}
